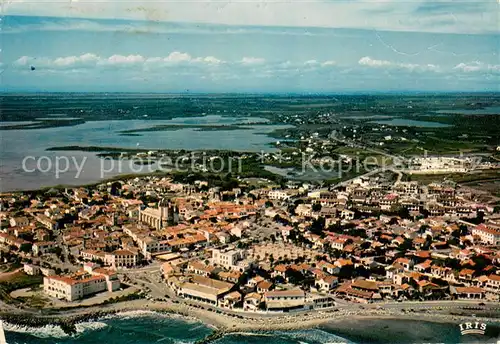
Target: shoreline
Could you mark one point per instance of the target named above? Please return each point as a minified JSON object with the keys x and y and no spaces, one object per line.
{"x":223,"y":323}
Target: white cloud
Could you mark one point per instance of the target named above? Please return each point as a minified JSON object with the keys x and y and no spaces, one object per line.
{"x":121,"y":60}
{"x":374,"y":63}
{"x":177,"y":56}
{"x":311,"y":62}
{"x":90,"y":60}
{"x":209,"y":59}
{"x":22,"y":61}
{"x":476,"y":66}
{"x":252,"y":60}
{"x":329,"y":63}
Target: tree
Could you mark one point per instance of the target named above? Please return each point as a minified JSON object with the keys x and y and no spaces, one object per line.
{"x":318,"y":225}
{"x":316,"y":207}
{"x":294,"y":276}
{"x":423,"y":228}
{"x":271,"y":259}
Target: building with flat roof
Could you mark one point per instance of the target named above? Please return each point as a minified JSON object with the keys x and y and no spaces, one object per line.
{"x":285,"y":300}
{"x":227,"y":258}
{"x":204,"y":289}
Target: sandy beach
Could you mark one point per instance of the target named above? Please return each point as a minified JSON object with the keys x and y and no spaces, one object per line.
{"x":231,"y":322}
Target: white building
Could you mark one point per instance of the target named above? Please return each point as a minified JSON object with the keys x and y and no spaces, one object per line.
{"x":280,"y":194}
{"x":488,"y":234}
{"x":121,"y":258}
{"x":227,"y":258}
{"x":284,"y":300}
{"x":84,"y":283}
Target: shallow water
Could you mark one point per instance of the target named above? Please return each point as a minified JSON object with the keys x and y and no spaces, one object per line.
{"x":16,"y":145}
{"x":149,"y":327}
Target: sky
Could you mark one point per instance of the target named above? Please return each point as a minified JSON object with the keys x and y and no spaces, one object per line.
{"x":250,"y":46}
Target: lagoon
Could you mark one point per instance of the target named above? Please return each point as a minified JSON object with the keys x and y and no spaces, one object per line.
{"x":402,"y":122}
{"x":16,"y":145}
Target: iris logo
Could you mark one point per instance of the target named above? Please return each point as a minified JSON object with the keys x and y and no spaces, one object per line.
{"x":472,"y":328}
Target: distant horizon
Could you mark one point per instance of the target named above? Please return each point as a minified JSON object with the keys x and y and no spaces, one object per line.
{"x":283,"y":93}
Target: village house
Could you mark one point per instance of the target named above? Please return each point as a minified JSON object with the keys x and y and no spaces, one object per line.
{"x":252,"y":302}
{"x":21,"y":221}
{"x":39,"y":248}
{"x":327,"y":283}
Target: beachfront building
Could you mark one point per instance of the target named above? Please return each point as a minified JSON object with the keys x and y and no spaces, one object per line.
{"x":252,"y":302}
{"x":204,"y":289}
{"x":86,"y":282}
{"x":467,"y":293}
{"x":284,"y":300}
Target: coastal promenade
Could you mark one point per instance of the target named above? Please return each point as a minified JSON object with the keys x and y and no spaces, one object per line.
{"x":236,"y":321}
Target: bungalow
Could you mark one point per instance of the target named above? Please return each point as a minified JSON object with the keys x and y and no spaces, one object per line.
{"x":423,"y":267}
{"x":393,"y":270}
{"x":252,"y":282}
{"x":405,"y":263}
{"x":465,"y":275}
{"x":444,"y":273}
{"x":327,"y":283}
{"x":328,"y":267}
{"x":426,"y":286}
{"x":279,"y":270}
{"x":252,"y":302}
{"x":230,"y":300}
{"x":231,"y":276}
{"x":467,"y":293}
{"x":264,"y":286}
{"x":493,"y":283}
{"x":360,"y":290}
{"x":340,"y":263}
{"x":199,"y":268}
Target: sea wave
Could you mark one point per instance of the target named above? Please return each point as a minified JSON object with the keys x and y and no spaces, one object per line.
{"x":54,"y":331}
{"x":90,"y":326}
{"x":47,"y":331}
{"x":299,"y":336}
{"x":313,"y":336}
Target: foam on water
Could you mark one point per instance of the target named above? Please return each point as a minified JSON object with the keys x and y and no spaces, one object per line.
{"x":312,"y":336}
{"x":90,"y":326}
{"x":47,"y":331}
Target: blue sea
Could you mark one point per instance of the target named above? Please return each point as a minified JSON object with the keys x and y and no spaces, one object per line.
{"x":148,"y":327}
